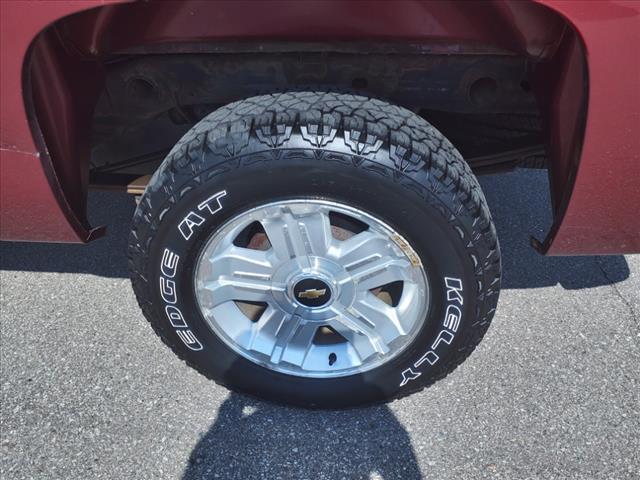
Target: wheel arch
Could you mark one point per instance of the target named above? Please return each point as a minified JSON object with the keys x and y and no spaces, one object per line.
{"x":66,"y":58}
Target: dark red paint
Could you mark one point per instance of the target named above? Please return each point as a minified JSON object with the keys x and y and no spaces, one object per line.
{"x":600,"y":214}
{"x":594,"y":112}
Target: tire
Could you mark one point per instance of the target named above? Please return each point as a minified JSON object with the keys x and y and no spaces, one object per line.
{"x":379,"y":160}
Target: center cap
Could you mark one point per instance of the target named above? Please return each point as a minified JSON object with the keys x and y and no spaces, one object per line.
{"x":312,"y":292}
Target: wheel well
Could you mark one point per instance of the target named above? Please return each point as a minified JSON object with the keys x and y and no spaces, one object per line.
{"x":488,"y":74}
{"x":481,"y":101}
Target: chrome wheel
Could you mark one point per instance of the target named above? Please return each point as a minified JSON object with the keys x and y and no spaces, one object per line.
{"x":312,"y":288}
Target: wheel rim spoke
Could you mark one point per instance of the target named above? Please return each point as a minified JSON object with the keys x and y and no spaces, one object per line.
{"x":298,"y":235}
{"x":226,"y":289}
{"x":383,"y":316}
{"x":358,"y":248}
{"x":379,"y":271}
{"x":283,"y":335}
{"x":284,"y":236}
{"x":316,"y":230}
{"x":240,"y":262}
{"x":299,"y":343}
{"x":359,"y":332}
{"x":265,"y":330}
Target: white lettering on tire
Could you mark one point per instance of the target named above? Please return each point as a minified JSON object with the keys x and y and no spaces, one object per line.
{"x":452,"y":317}
{"x":188,"y":223}
{"x":169,"y":293}
{"x":169,"y":267}
{"x":168,"y":290}
{"x":192,"y":219}
{"x":169,"y":263}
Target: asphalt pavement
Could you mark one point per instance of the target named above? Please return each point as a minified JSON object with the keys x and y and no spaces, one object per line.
{"x":88,"y":391}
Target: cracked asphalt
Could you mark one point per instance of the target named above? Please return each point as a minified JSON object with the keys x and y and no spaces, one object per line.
{"x":88,"y":391}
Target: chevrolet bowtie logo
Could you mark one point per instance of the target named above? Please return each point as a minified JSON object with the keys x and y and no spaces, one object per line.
{"x":313,"y":293}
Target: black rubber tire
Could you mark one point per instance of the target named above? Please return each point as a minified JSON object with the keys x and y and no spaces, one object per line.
{"x":356,"y":150}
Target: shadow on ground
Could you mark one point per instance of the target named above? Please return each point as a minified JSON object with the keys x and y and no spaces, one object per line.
{"x":254,"y":439}
{"x":520,"y":206}
{"x":519,"y":202}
